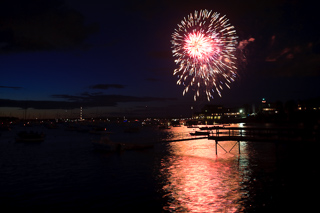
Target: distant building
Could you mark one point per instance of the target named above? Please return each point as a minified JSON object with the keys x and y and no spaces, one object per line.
{"x":210,"y":113}
{"x":268,"y":108}
{"x":309,"y":105}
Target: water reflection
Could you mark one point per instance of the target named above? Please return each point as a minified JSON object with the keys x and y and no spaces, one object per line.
{"x":195,"y":180}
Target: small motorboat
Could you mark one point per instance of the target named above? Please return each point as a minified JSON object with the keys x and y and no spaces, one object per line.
{"x":192,"y":126}
{"x":105,"y":144}
{"x":99,"y":131}
{"x":51,"y":125}
{"x":199,"y":133}
{"x":30,"y":137}
{"x":132,"y":130}
{"x":211,"y":127}
{"x":164,"y":127}
{"x":4,"y":128}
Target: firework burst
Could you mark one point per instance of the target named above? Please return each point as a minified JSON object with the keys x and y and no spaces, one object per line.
{"x":204,"y":45}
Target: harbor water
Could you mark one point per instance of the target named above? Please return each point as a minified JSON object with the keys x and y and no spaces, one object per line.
{"x":64,"y":173}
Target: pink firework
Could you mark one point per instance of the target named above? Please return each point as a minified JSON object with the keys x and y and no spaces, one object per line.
{"x":204,"y":45}
{"x":199,"y":46}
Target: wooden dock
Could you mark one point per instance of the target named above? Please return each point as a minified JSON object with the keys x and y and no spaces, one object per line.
{"x":253,"y":134}
{"x":266,"y":135}
{"x":183,"y":139}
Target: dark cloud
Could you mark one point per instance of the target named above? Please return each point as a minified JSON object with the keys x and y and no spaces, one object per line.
{"x":41,"y":25}
{"x":35,"y":104}
{"x":244,"y":43}
{"x":99,"y":99}
{"x":107,"y":86}
{"x":6,"y":87}
{"x":75,"y":101}
{"x":294,"y":61}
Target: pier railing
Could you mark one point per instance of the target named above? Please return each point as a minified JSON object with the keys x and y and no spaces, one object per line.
{"x":244,"y":133}
{"x":271,"y":135}
{"x":247,"y":134}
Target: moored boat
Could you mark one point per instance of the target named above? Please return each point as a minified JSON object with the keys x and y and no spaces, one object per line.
{"x":132,"y":130}
{"x":30,"y":137}
{"x":164,"y":127}
{"x":199,"y":133}
{"x":211,"y":127}
{"x":99,"y":130}
{"x":105,"y":144}
{"x":192,"y":126}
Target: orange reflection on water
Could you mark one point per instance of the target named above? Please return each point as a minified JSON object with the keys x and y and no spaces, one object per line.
{"x":194,"y":180}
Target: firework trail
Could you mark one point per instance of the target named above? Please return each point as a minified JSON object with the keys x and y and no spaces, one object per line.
{"x":204,"y":45}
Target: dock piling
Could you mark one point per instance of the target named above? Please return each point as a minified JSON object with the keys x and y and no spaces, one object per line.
{"x":216,"y":147}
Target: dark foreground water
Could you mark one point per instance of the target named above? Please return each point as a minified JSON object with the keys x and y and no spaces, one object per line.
{"x":64,"y":173}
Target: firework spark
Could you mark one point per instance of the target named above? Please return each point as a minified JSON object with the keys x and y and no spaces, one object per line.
{"x":204,"y":45}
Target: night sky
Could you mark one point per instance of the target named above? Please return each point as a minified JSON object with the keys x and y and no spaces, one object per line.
{"x":114,"y":58}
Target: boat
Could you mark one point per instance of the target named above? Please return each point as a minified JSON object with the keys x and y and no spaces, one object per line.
{"x":51,"y":125}
{"x":164,"y":127}
{"x":98,"y":131}
{"x":83,"y":129}
{"x":176,"y":125}
{"x":71,"y":128}
{"x":30,"y":137}
{"x":205,"y":128}
{"x":199,"y":133}
{"x":211,"y":127}
{"x":192,"y":126}
{"x":105,"y":144}
{"x":4,"y":128}
{"x":132,"y":130}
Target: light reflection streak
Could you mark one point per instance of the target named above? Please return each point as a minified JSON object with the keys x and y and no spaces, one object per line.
{"x":195,"y":180}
